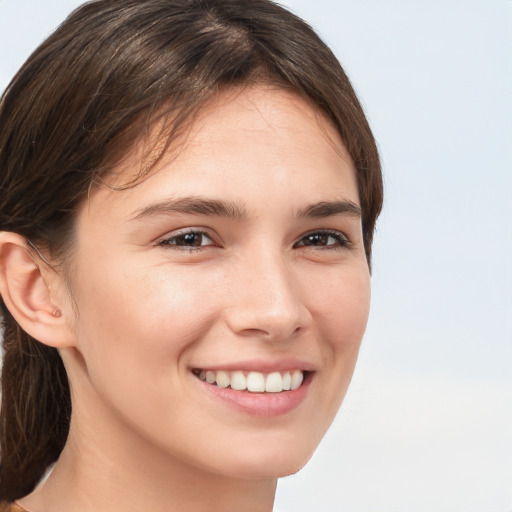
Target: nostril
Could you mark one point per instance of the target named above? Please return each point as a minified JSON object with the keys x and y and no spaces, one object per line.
{"x":254,"y":332}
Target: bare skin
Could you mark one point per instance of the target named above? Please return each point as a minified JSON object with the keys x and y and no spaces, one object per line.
{"x":275,"y":279}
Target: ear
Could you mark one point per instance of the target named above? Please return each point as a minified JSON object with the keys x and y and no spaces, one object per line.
{"x":34,"y":293}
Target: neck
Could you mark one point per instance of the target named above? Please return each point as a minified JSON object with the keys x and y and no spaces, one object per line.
{"x":108,"y":467}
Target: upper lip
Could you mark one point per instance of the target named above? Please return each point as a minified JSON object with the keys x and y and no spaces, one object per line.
{"x":259,"y":365}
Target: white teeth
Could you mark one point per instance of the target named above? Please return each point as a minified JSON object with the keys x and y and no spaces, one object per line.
{"x":274,"y":383}
{"x":297,"y":378}
{"x":238,"y":381}
{"x":254,"y":382}
{"x":222,"y":379}
{"x":287,"y":381}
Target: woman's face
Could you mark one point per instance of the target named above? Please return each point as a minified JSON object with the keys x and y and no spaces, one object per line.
{"x":240,"y":259}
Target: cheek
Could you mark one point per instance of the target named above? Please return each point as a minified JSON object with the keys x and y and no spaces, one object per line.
{"x":141,"y":321}
{"x":341,"y":312}
{"x":341,"y":308}
{"x":134,"y":332}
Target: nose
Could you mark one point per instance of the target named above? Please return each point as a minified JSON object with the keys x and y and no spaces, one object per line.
{"x":266,"y":300}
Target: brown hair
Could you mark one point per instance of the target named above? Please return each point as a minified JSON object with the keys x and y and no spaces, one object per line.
{"x":112,"y":71}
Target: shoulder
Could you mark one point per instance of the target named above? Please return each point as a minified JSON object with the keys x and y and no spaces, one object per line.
{"x":11,"y":507}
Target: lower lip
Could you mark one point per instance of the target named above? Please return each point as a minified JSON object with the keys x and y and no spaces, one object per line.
{"x":261,"y":404}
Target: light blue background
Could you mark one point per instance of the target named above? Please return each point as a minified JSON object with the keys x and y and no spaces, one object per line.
{"x":427,"y":423}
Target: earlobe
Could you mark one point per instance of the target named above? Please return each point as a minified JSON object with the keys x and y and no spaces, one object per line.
{"x":26,"y":286}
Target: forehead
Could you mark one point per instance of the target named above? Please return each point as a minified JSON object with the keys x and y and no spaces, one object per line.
{"x":243,"y":142}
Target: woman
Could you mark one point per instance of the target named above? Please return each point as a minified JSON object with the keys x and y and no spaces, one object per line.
{"x":188,"y":196}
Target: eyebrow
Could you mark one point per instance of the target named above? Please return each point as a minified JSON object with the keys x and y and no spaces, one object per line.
{"x":329,"y":209}
{"x":232,"y":210}
{"x":195,"y":205}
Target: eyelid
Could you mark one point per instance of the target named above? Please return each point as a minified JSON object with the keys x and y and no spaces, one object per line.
{"x":342,"y":238}
{"x":164,"y":241}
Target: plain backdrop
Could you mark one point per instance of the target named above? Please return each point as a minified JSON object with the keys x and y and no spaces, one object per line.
{"x":427,"y":423}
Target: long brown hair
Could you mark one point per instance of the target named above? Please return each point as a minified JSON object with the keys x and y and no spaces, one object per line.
{"x":109,"y":74}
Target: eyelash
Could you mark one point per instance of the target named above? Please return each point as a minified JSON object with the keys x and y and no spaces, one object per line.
{"x":171,"y":241}
{"x":341,"y":240}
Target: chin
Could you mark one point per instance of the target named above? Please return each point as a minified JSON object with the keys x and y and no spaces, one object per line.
{"x":272,"y":462}
{"x":276,"y":468}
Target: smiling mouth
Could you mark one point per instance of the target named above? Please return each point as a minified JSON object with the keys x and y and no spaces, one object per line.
{"x":253,"y":382}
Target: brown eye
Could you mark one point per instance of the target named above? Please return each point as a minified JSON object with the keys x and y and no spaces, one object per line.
{"x":334,"y":239}
{"x":190,"y":239}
